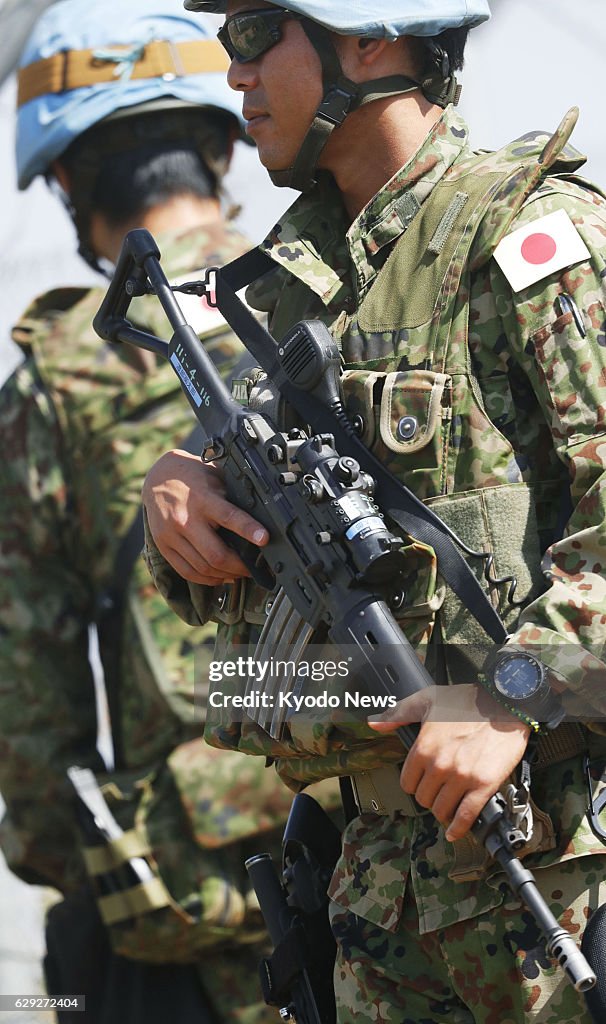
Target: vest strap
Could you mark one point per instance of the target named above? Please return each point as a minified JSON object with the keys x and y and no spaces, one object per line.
{"x":141,"y":899}
{"x":100,"y":860}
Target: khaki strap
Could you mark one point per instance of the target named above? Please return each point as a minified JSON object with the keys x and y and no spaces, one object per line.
{"x":379,"y":792}
{"x":101,"y":859}
{"x":141,"y":899}
{"x":444,"y":228}
{"x":568,"y":740}
{"x":75,"y":69}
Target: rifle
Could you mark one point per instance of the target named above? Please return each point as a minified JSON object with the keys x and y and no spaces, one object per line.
{"x":298,"y":976}
{"x":330,"y":549}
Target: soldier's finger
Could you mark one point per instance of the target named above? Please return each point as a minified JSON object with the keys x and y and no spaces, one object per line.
{"x":411,"y":709}
{"x":446,"y":801}
{"x":428,"y":790}
{"x":234,"y":519}
{"x":467,"y":812}
{"x":412,"y":771}
{"x":211,"y":557}
{"x":184,"y":568}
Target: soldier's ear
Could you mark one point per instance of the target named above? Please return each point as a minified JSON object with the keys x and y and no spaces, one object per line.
{"x":358,"y":54}
{"x":369,"y":50}
{"x":60,"y":172}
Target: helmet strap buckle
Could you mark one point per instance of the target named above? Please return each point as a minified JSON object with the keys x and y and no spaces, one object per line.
{"x":337,"y":103}
{"x":441,"y":91}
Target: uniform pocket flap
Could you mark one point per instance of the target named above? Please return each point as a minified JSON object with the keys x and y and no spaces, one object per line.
{"x":411,"y":406}
{"x":226,"y":797}
{"x":359,"y":388}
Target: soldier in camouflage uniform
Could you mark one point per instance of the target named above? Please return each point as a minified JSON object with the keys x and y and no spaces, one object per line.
{"x":81,"y":422}
{"x":466,"y":292}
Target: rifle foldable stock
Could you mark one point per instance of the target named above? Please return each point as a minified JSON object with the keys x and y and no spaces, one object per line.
{"x":330,"y":549}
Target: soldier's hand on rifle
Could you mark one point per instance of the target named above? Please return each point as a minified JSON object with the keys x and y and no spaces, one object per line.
{"x":467,"y":747}
{"x":185,"y":503}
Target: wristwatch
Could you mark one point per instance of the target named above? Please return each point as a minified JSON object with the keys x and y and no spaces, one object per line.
{"x":519,"y":679}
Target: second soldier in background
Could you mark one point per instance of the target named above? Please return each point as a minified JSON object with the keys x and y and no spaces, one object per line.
{"x":126,"y":108}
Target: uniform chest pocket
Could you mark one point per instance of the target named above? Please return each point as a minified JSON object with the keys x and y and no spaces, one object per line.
{"x":404,"y":418}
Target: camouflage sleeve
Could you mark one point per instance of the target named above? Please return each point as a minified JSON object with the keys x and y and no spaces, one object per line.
{"x":190,"y":601}
{"x":44,"y":615}
{"x":563,"y":354}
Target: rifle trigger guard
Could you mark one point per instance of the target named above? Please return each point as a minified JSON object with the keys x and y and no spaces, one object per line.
{"x":519,"y":811}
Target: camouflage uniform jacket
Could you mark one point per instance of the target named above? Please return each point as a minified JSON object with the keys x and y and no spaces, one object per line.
{"x":81,"y":423}
{"x":509,"y":395}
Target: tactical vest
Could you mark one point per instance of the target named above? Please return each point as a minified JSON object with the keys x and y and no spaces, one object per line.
{"x":419,"y":408}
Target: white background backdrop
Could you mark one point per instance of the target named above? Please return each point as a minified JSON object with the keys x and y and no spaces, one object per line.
{"x":524,"y":69}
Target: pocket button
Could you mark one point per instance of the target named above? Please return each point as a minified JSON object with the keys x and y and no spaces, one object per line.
{"x":407,"y":428}
{"x":358,"y":424}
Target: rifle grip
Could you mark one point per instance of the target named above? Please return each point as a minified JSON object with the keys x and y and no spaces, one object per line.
{"x":252,"y":556}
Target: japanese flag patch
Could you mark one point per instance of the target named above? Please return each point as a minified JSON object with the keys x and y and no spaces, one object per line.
{"x":539,"y":249}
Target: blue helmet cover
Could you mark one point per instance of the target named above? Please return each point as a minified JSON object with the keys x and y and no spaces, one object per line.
{"x":47,"y":124}
{"x":377,"y":18}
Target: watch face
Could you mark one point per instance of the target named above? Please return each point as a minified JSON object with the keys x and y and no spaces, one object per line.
{"x":518,"y":676}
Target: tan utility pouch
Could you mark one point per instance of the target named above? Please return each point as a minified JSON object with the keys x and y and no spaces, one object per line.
{"x":403,"y":416}
{"x":191,"y":828}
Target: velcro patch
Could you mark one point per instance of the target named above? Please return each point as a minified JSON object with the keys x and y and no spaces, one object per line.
{"x":539,"y":249}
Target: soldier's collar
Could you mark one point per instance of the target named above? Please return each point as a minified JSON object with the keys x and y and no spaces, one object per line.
{"x":391,"y":210}
{"x":313,"y":241}
{"x":309,"y":240}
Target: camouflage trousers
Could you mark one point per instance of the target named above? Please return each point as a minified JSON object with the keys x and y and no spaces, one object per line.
{"x":491,"y":969}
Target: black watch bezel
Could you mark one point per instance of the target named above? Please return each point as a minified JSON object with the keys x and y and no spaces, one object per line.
{"x":542,"y":704}
{"x":505,"y":658}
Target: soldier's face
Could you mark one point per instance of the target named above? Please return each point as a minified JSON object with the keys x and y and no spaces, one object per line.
{"x":281,"y":89}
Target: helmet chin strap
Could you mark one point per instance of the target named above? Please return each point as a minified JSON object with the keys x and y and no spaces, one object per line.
{"x":342,"y":96}
{"x":81,"y":224}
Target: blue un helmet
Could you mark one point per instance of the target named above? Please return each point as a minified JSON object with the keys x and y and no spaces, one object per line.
{"x":87,"y":65}
{"x":86,"y":61}
{"x":248,"y":34}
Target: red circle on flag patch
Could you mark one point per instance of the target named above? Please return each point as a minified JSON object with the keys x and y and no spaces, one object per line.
{"x":539,"y":248}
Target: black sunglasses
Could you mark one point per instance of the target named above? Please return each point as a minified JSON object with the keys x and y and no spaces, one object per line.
{"x":247,"y":35}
